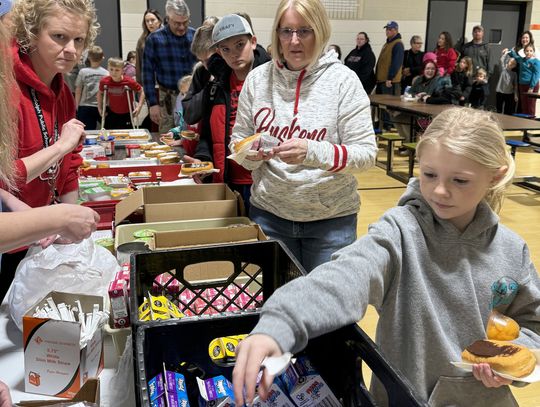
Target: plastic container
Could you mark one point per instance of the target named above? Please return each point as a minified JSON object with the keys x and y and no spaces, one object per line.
{"x":338,"y":357}
{"x":119,"y":337}
{"x":255,"y":268}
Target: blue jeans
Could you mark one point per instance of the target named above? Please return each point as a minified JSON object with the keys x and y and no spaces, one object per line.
{"x":312,"y":243}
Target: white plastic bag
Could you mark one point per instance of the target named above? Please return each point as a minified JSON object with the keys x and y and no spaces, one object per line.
{"x":122,"y":379}
{"x":83,"y":268}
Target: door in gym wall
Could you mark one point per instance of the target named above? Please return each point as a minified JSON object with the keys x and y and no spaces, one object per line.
{"x":445,"y":15}
{"x":503,"y":23}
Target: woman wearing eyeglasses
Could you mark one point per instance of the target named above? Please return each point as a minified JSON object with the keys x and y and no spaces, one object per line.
{"x":304,"y":191}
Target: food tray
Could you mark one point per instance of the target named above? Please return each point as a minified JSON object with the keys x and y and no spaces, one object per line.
{"x":124,"y":142}
{"x":128,"y":162}
{"x":169,"y":172}
{"x":124,"y":233}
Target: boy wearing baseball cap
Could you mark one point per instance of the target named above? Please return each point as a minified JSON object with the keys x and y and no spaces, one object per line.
{"x":236,"y":55}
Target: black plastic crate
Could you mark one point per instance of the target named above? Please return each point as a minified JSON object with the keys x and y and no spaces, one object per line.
{"x":252,"y":268}
{"x":338,"y":357}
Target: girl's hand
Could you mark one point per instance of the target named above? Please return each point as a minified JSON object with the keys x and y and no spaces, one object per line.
{"x":292,"y":151}
{"x":505,"y":51}
{"x":530,"y":90}
{"x":482,"y":372}
{"x":249,"y":355}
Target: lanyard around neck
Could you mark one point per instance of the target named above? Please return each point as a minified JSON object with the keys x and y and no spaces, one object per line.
{"x":41,"y":120}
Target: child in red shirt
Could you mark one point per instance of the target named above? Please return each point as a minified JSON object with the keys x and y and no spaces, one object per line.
{"x":117,"y":114}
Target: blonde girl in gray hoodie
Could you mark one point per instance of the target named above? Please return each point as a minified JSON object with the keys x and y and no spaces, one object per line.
{"x":304,"y":191}
{"x":433,"y":267}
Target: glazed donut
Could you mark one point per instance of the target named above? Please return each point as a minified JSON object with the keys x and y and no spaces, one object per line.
{"x":189,"y":134}
{"x":243,"y":144}
{"x":192,"y":168}
{"x":168,"y":158}
{"x":502,"y":356}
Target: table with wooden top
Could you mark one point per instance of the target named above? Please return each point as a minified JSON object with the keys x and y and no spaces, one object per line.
{"x":420,"y":109}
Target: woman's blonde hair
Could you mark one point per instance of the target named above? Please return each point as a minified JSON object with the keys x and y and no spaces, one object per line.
{"x":314,"y":13}
{"x":8,"y":113}
{"x":29,"y":18}
{"x":476,"y":135}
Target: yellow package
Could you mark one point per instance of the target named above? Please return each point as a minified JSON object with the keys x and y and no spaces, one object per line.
{"x":144,"y":311}
{"x":224,"y":349}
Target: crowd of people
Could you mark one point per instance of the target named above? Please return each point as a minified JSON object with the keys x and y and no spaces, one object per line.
{"x":218,"y":80}
{"x":467,"y":69}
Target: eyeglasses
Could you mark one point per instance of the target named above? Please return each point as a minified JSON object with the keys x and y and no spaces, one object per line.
{"x":301,"y":33}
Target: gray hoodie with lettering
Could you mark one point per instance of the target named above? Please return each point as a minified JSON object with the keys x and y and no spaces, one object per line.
{"x":326,"y":105}
{"x":432,"y":287}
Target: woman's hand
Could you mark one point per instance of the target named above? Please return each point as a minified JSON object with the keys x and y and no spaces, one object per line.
{"x":292,"y":151}
{"x":482,"y":372}
{"x":249,"y":355}
{"x":5,"y":397}
{"x":261,"y":155}
{"x":78,"y":222}
{"x":71,"y":136}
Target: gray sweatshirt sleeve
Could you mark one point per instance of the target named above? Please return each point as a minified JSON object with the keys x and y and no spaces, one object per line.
{"x":525,"y":308}
{"x":358,"y":149}
{"x":336,"y":293}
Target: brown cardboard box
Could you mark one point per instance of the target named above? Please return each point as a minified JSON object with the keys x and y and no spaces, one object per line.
{"x":217,"y":270}
{"x":198,"y":237}
{"x":179,"y":202}
{"x":54,"y":363}
{"x":89,"y":392}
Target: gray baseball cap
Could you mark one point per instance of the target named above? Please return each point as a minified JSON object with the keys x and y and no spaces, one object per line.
{"x":230,"y":26}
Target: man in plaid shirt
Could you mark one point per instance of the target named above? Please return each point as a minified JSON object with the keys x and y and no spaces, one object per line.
{"x":167,"y":57}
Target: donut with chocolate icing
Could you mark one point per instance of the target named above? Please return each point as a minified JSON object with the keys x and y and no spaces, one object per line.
{"x":502,"y":356}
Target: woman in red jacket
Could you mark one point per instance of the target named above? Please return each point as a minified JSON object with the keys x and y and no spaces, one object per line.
{"x":446,"y":54}
{"x":49,"y":40}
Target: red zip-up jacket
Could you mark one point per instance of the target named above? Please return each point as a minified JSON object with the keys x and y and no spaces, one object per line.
{"x":56,"y":102}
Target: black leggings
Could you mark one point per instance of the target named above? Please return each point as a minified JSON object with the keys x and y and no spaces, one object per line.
{"x":506,"y":103}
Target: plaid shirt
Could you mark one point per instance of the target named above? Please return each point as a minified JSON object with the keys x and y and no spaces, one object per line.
{"x":167,"y":58}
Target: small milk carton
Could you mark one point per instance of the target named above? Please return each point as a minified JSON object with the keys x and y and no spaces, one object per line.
{"x":175,"y":389}
{"x":119,"y":303}
{"x":277,"y":397}
{"x":216,"y":392}
{"x":306,"y":387}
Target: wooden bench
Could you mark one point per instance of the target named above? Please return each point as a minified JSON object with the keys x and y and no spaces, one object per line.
{"x":390,"y":139}
{"x":411,"y":148}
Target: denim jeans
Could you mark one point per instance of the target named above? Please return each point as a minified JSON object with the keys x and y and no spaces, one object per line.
{"x":312,"y":243}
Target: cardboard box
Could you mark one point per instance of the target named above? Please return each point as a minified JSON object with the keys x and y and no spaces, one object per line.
{"x":125,"y":233}
{"x":179,"y":202}
{"x":89,"y":392}
{"x":54,"y":363}
{"x":186,"y":238}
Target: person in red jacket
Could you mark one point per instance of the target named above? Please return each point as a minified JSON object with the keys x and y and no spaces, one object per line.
{"x":446,"y":54}
{"x":119,"y":88}
{"x":237,"y":54}
{"x":49,"y":40}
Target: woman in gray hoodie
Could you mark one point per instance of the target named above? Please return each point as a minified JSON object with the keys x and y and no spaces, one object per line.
{"x":304,"y":191}
{"x":433,"y":267}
